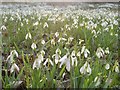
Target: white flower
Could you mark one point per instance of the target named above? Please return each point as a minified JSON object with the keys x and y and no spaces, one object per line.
{"x":58,"y":51}
{"x":33,"y":46}
{"x":117,"y":69}
{"x":85,"y":51}
{"x":104,"y":24}
{"x":73,"y":58}
{"x":38,"y":61}
{"x":57,"y":55}
{"x":11,"y":56}
{"x":42,"y":52}
{"x":14,"y":68}
{"x":21,"y":24}
{"x":107,"y":50}
{"x":97,"y":80}
{"x":65,"y":60}
{"x":85,"y":68}
{"x":57,"y":34}
{"x":57,"y":58}
{"x":43,"y":42}
{"x":17,"y":83}
{"x":35,"y":24}
{"x":53,"y":41}
{"x":3,"y":27}
{"x":70,"y":39}
{"x":28,"y":35}
{"x":48,"y":61}
{"x":107,"y":66}
{"x":80,"y":41}
{"x":64,"y":39}
{"x":45,"y":25}
{"x":99,"y":52}
{"x":115,"y":22}
{"x":63,"y":75}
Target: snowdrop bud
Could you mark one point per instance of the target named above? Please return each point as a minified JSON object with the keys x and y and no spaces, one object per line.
{"x":43,"y":42}
{"x":83,"y":49}
{"x":28,"y":35}
{"x":33,"y":46}
{"x":63,"y":75}
{"x":86,"y":52}
{"x":117,"y":69}
{"x":107,"y":50}
{"x":107,"y":66}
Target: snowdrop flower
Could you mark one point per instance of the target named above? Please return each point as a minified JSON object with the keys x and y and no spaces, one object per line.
{"x":97,"y":80}
{"x":85,"y":51}
{"x":43,"y":42}
{"x":99,"y":52}
{"x":73,"y":58}
{"x":115,"y":22}
{"x":63,"y":75}
{"x":116,"y":67}
{"x":28,"y":35}
{"x":85,"y":69}
{"x":48,"y":61}
{"x":64,"y":39}
{"x":107,"y":50}
{"x":3,"y":27}
{"x":45,"y":25}
{"x":11,"y":18}
{"x":11,"y":56}
{"x":58,"y":51}
{"x":107,"y":66}
{"x":38,"y":61}
{"x":16,"y":83}
{"x":104,"y":24}
{"x":80,"y":41}
{"x":33,"y":46}
{"x":70,"y":40}
{"x":21,"y":24}
{"x":53,"y":41}
{"x":35,"y":24}
{"x":57,"y":34}
{"x":14,"y":68}
{"x":57,"y":55}
{"x":65,"y":60}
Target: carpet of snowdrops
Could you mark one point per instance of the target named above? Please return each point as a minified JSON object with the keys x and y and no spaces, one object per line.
{"x":45,"y":46}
